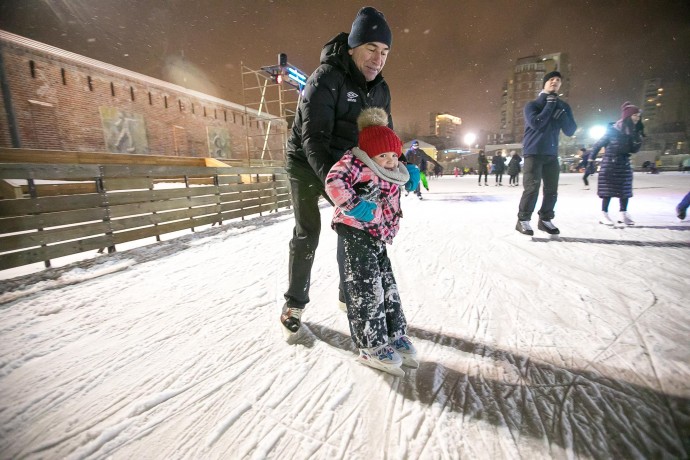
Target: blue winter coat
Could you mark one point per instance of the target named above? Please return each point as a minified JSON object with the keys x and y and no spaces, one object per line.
{"x":615,"y":173}
{"x":543,"y":124}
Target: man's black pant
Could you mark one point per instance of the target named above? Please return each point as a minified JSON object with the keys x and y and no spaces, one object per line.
{"x":305,"y":193}
{"x":536,"y":169}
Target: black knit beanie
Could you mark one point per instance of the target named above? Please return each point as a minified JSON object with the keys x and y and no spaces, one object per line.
{"x":549,"y":76}
{"x":369,"y":26}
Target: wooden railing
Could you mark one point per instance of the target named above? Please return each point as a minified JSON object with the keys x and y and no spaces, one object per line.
{"x":51,"y":210}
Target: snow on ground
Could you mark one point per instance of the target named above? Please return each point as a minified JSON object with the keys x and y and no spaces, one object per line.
{"x":531,"y":347}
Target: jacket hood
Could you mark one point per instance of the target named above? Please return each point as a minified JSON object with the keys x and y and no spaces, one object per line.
{"x":335,"y":52}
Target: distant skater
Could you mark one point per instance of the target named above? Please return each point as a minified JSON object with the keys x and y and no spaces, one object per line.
{"x":514,"y":170}
{"x":482,"y":167}
{"x":622,"y":139}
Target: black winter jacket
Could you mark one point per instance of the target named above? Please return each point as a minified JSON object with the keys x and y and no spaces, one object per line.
{"x":325,"y":125}
{"x":499,"y":164}
{"x":615,"y":173}
{"x":514,"y":165}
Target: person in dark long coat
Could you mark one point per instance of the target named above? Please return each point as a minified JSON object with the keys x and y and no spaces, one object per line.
{"x":622,"y":139}
{"x":514,"y":169}
{"x":499,"y":163}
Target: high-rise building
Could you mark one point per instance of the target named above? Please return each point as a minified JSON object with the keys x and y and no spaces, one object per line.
{"x":523,"y":85}
{"x":445,"y":125}
{"x":666,"y":116}
{"x":653,"y":95}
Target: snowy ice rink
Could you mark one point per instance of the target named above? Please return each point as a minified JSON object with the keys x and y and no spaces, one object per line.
{"x":531,"y":347}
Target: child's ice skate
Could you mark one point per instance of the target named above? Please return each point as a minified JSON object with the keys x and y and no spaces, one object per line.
{"x":403,"y":346}
{"x":291,"y":319}
{"x":383,"y":358}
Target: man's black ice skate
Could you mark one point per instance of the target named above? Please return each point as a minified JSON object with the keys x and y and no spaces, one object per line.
{"x":291,"y":319}
{"x":524,"y":227}
{"x":548,"y":227}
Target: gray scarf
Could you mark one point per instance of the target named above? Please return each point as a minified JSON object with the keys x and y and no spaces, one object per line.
{"x":399,"y":176}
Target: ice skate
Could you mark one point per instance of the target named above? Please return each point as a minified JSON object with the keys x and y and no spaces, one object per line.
{"x":403,"y":346}
{"x":626,"y":219}
{"x":291,"y":319}
{"x":548,"y":227}
{"x":383,"y":358}
{"x":524,"y":227}
{"x":606,"y":219}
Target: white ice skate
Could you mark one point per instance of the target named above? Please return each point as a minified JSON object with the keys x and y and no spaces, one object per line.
{"x":383,"y":358}
{"x":403,"y":346}
{"x":606,"y":219}
{"x":627,"y":220}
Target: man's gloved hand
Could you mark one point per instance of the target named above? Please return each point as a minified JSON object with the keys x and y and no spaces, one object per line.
{"x":364,"y":211}
{"x":411,"y":185}
{"x":551,"y":97}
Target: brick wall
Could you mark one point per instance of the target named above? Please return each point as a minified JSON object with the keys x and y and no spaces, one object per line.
{"x":66,"y":102}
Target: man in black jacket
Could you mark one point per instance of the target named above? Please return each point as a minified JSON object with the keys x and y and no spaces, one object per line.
{"x":348,"y":80}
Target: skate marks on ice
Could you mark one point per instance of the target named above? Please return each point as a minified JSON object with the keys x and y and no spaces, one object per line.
{"x":657,"y":244}
{"x":582,"y":410}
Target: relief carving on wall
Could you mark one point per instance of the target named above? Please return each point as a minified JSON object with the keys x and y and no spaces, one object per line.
{"x":218,"y":142}
{"x":124,"y":132}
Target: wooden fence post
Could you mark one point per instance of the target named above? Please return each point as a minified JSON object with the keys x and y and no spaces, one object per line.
{"x":33,"y":193}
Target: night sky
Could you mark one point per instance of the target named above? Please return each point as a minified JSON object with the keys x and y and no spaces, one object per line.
{"x":447,"y":56}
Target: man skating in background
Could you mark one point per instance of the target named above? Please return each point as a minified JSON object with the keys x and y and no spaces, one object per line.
{"x":482,"y":167}
{"x":545,"y":118}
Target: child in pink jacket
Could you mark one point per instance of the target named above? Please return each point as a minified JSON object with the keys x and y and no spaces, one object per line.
{"x":365,"y":188}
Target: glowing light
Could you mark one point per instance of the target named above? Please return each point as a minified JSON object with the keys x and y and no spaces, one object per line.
{"x":595,"y":132}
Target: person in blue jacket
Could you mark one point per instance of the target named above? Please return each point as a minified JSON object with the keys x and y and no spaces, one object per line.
{"x":545,"y":118}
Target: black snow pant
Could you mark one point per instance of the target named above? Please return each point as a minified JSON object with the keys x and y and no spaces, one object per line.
{"x":373,"y":303}
{"x":514,"y":179}
{"x":538,"y":168}
{"x":484,"y":172}
{"x":305,"y":193}
{"x":584,"y":178}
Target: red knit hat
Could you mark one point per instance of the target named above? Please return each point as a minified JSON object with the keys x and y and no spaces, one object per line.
{"x":375,"y":137}
{"x":628,"y":109}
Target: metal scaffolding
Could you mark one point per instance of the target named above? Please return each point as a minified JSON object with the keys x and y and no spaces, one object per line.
{"x":270,"y":98}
